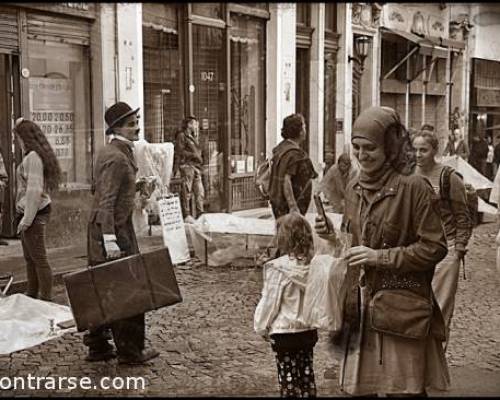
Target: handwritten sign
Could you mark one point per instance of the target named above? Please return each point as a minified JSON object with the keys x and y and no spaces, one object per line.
{"x":174,"y":233}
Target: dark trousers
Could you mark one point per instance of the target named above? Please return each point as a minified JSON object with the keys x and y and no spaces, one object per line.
{"x":192,"y":185}
{"x":128,"y":335}
{"x":39,"y":273}
{"x":294,"y":360}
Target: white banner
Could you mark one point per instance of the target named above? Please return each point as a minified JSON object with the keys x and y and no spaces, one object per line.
{"x":174,"y":233}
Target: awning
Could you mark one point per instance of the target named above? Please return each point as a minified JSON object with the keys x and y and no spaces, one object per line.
{"x":428,"y":46}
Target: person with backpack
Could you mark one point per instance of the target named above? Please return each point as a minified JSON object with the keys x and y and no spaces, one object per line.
{"x":455,"y":216}
{"x":292,"y":171}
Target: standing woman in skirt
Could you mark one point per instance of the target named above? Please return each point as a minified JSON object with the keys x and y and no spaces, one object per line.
{"x":37,"y":175}
{"x":393,"y":327}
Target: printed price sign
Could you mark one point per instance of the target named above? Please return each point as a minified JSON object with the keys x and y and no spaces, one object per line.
{"x":174,"y":233}
{"x":52,"y":110}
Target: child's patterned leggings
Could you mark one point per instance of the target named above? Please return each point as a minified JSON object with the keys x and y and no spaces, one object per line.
{"x":295,"y":373}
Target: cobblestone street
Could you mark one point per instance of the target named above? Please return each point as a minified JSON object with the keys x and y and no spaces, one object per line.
{"x":208,"y":346}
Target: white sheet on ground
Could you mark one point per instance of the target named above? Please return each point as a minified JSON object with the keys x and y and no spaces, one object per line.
{"x":485,"y":207}
{"x":25,"y":322}
{"x":469,"y":173}
{"x":495,"y":192}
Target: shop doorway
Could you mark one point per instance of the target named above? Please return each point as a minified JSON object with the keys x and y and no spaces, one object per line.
{"x":209,"y":108}
{"x":9,"y":108}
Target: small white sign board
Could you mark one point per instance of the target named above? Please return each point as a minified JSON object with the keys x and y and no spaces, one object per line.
{"x":174,"y":232}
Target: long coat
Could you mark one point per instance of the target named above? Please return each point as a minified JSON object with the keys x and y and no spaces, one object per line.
{"x":402,"y":222}
{"x":114,"y":194}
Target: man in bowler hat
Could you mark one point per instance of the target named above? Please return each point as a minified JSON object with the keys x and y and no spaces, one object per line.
{"x":111,"y":233}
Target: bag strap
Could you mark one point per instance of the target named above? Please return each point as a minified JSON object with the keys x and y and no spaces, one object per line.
{"x":444,"y":182}
{"x":271,"y":164}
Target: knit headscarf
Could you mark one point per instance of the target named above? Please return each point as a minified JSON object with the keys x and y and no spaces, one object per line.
{"x":382,"y":126}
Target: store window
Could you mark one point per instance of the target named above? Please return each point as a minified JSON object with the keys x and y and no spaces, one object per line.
{"x":303,"y":14}
{"x":163,"y":83}
{"x":331,"y":17}
{"x":209,"y":107}
{"x":59,"y":103}
{"x":247,"y":93}
{"x":210,"y":10}
{"x":329,"y":111}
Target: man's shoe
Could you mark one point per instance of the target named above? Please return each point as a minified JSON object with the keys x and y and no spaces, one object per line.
{"x":100,"y":356}
{"x":3,"y":242}
{"x":141,"y":358}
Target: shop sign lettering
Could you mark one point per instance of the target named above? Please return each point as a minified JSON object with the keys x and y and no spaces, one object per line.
{"x":77,"y":6}
{"x":488,"y":97}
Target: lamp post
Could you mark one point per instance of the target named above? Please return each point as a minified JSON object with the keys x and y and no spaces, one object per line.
{"x":361,"y":47}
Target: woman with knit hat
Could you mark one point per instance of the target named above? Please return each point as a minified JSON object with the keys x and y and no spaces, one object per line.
{"x":393,"y":327}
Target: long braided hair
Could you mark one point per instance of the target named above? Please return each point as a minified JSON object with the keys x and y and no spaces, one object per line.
{"x":35,"y":140}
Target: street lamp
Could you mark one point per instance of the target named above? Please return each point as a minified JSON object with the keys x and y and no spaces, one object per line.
{"x":361,"y":47}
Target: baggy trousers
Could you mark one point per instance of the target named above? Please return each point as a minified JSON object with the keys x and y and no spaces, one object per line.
{"x":445,"y":285}
{"x":191,"y":185}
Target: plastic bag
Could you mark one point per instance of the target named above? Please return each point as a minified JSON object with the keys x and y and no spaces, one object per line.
{"x":325,"y":293}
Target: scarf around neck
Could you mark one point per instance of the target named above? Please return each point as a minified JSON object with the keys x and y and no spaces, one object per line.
{"x":377,"y":180}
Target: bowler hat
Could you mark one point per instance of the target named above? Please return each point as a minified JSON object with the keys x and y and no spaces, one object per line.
{"x":116,"y":113}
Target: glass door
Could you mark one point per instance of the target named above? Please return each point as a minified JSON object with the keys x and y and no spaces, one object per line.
{"x":11,"y":154}
{"x":209,"y":108}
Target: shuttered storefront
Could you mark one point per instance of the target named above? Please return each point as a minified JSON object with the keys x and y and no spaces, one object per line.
{"x":58,"y":29}
{"x":9,"y":31}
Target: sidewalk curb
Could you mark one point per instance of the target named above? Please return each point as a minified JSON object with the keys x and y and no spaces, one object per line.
{"x":20,"y":286}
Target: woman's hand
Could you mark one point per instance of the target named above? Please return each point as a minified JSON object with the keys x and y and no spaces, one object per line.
{"x":361,"y":255}
{"x":324,"y":229}
{"x":22,"y":227}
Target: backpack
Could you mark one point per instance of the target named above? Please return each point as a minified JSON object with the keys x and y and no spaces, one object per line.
{"x":470,"y":194}
{"x":262,"y":178}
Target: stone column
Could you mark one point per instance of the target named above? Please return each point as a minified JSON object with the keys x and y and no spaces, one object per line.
{"x":130,"y":64}
{"x":280,"y":99}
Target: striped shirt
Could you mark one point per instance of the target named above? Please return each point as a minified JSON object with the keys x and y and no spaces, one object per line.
{"x":31,"y":194}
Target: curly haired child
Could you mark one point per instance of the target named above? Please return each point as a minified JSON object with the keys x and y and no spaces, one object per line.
{"x":279,"y":316}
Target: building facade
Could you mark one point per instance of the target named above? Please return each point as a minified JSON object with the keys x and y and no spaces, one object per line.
{"x":240,"y":68}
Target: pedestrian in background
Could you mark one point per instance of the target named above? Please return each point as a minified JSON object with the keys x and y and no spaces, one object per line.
{"x":292,"y":170}
{"x":189,"y":161}
{"x":455,"y":145}
{"x":454,"y":216}
{"x":490,"y":170}
{"x":334,"y":182}
{"x":393,"y":327}
{"x":496,"y":158}
{"x":4,"y":179}
{"x":111,"y":233}
{"x":279,"y":316}
{"x":37,"y":175}
{"x":478,"y":153}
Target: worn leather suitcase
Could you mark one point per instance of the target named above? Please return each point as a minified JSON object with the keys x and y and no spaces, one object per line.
{"x":122,"y":288}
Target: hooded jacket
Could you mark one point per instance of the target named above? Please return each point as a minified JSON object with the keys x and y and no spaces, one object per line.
{"x":281,"y":307}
